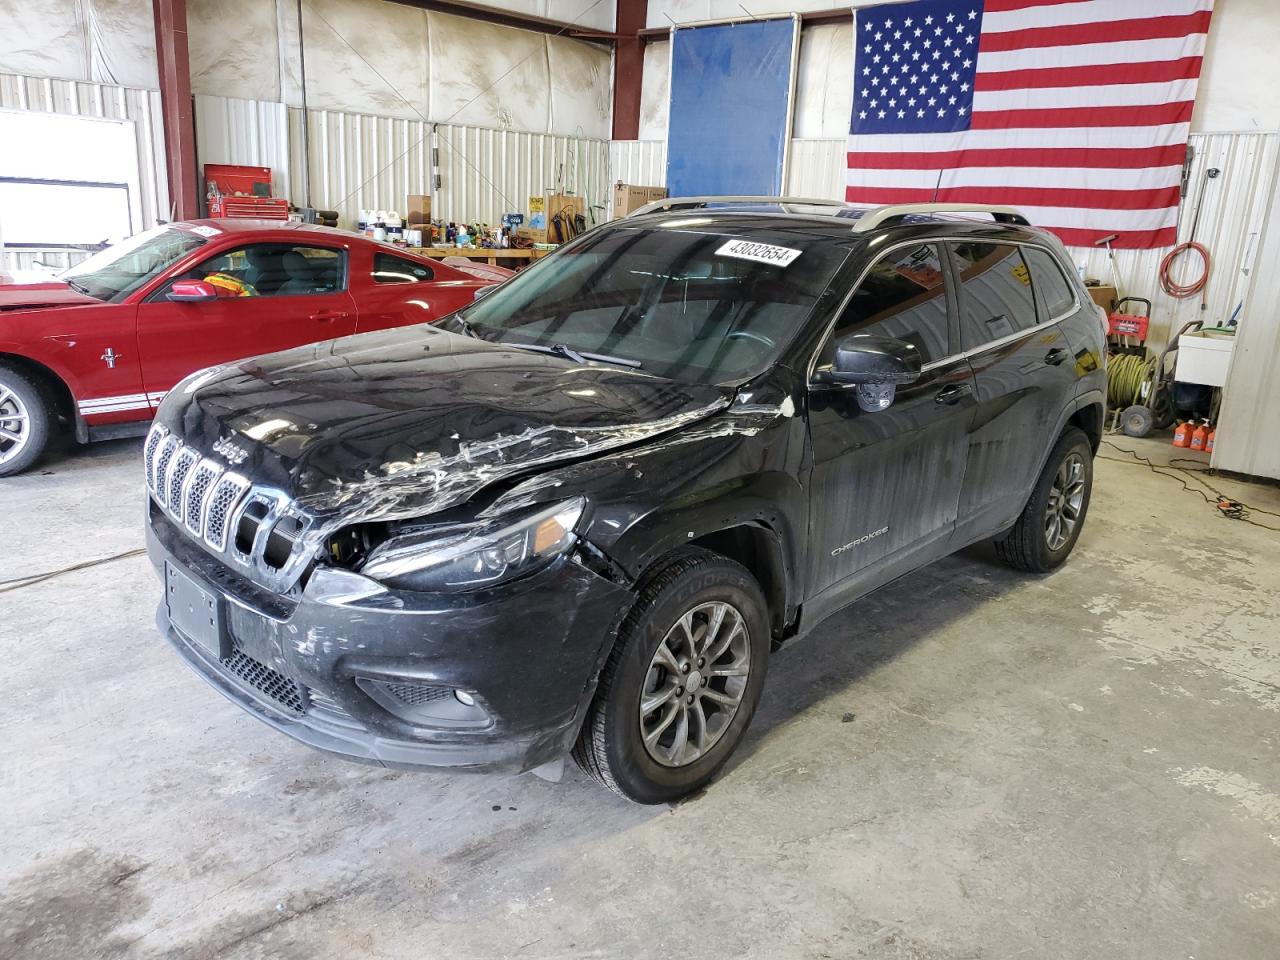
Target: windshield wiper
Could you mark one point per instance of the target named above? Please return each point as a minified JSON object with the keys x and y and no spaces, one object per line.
{"x":577,"y":356}
{"x":79,"y":288}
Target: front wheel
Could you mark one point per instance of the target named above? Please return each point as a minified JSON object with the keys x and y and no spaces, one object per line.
{"x":1050,"y":524}
{"x":681,"y":683}
{"x":24,"y":421}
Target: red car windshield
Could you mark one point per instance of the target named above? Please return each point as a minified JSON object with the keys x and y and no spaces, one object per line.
{"x":114,"y":273}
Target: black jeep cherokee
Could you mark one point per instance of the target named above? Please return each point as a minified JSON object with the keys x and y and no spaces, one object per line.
{"x":576,"y":516}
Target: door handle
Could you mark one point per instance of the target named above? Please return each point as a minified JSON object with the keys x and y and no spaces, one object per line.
{"x":1055,"y":356}
{"x":953,"y":394}
{"x":328,"y":316}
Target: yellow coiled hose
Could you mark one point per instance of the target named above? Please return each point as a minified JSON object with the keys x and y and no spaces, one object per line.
{"x":1125,"y":376}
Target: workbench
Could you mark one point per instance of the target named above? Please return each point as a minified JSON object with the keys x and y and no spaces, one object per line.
{"x":491,"y":255}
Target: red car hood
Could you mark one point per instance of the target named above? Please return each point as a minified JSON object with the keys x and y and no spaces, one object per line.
{"x":35,"y":296}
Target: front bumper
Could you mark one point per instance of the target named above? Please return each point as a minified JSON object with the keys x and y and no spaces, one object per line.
{"x":318,"y":666}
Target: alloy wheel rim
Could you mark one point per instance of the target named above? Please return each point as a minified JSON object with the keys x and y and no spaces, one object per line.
{"x":15,"y":424}
{"x":695,"y":684}
{"x":1066,"y":502}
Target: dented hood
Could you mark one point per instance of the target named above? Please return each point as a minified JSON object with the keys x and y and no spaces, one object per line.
{"x":405,"y":422}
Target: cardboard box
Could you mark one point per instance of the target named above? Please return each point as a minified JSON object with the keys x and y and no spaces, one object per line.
{"x":1104,"y":296}
{"x":627,"y":197}
{"x":543,"y":210}
{"x":418,"y":210}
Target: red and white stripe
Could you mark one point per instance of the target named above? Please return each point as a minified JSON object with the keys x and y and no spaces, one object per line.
{"x":1081,"y":114}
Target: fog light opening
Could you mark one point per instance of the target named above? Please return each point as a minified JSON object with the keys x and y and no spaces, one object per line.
{"x":465,"y":698}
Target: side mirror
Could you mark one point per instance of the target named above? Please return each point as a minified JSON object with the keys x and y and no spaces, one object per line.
{"x":874,"y":366}
{"x":482,"y":292}
{"x":192,"y":291}
{"x":875,"y":360}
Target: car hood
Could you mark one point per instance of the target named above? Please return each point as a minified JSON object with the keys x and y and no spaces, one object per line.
{"x":37,"y":296}
{"x":406,"y":422}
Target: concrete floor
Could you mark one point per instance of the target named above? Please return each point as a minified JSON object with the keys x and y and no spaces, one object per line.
{"x":969,"y":764}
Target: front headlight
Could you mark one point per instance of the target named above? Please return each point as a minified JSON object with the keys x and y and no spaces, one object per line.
{"x":475,"y":556}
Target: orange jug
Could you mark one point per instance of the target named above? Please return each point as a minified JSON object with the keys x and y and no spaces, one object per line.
{"x":1208,"y":444}
{"x":1200,"y":436}
{"x":1182,"y":435}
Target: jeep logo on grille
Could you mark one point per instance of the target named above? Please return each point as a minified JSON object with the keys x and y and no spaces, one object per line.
{"x":233,"y":452}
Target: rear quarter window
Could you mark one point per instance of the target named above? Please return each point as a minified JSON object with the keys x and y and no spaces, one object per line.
{"x":391,"y":269}
{"x":1053,"y":291}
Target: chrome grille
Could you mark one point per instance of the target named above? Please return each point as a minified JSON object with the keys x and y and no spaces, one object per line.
{"x":225,"y":495}
{"x":202,"y":479}
{"x":208,"y":500}
{"x":154,"y":439}
{"x":161,"y":476}
{"x":199,"y":493}
{"x":178,"y":470}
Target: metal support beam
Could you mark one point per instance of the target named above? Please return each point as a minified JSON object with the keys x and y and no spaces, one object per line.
{"x":522,"y":21}
{"x":811,"y":19}
{"x":175,"y":106}
{"x":628,"y":68}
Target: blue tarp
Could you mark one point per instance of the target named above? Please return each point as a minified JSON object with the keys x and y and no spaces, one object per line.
{"x":730,"y":91}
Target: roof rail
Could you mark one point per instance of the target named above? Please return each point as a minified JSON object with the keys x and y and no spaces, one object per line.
{"x":693,"y":203}
{"x":884,"y":216}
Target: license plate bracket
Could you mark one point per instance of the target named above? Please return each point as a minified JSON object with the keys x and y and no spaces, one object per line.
{"x":196,"y":612}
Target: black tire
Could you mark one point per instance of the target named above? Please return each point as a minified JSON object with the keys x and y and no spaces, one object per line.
{"x":1027,"y":544}
{"x":610,"y":747}
{"x":1137,"y":421}
{"x":19,"y":392}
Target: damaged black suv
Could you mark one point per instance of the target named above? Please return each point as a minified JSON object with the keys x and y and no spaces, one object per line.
{"x":575,"y":517}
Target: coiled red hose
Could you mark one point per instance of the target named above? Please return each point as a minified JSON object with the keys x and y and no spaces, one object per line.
{"x":1184,"y":290}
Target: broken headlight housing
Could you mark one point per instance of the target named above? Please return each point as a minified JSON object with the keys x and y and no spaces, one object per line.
{"x":475,"y":555}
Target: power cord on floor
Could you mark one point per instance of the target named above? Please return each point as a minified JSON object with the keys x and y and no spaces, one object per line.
{"x":1227,"y":508}
{"x":17,"y":583}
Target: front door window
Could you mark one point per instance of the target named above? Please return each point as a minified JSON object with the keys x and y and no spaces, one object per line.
{"x":271,"y":270}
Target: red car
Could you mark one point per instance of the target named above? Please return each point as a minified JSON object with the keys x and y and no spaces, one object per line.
{"x":95,"y":350}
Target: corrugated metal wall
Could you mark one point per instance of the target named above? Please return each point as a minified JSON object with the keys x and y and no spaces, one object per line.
{"x":110,"y":102}
{"x":1246,"y":429}
{"x":364,"y":161}
{"x":641,"y":163}
{"x":486,"y":173}
{"x":252,"y":132}
{"x":41,"y":260}
{"x":1230,"y":223}
{"x":816,"y":169}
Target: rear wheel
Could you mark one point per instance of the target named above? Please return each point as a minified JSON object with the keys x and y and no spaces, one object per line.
{"x":24,"y":421}
{"x":682,"y":682}
{"x":1050,"y":524}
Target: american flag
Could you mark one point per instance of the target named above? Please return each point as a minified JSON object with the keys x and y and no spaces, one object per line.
{"x":1075,"y":111}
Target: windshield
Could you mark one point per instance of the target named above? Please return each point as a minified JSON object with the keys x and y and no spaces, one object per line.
{"x":669,"y":299}
{"x":114,"y":273}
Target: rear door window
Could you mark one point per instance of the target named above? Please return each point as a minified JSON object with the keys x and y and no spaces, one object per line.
{"x":996,"y":296}
{"x":1053,"y":291}
{"x":903,"y":296}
